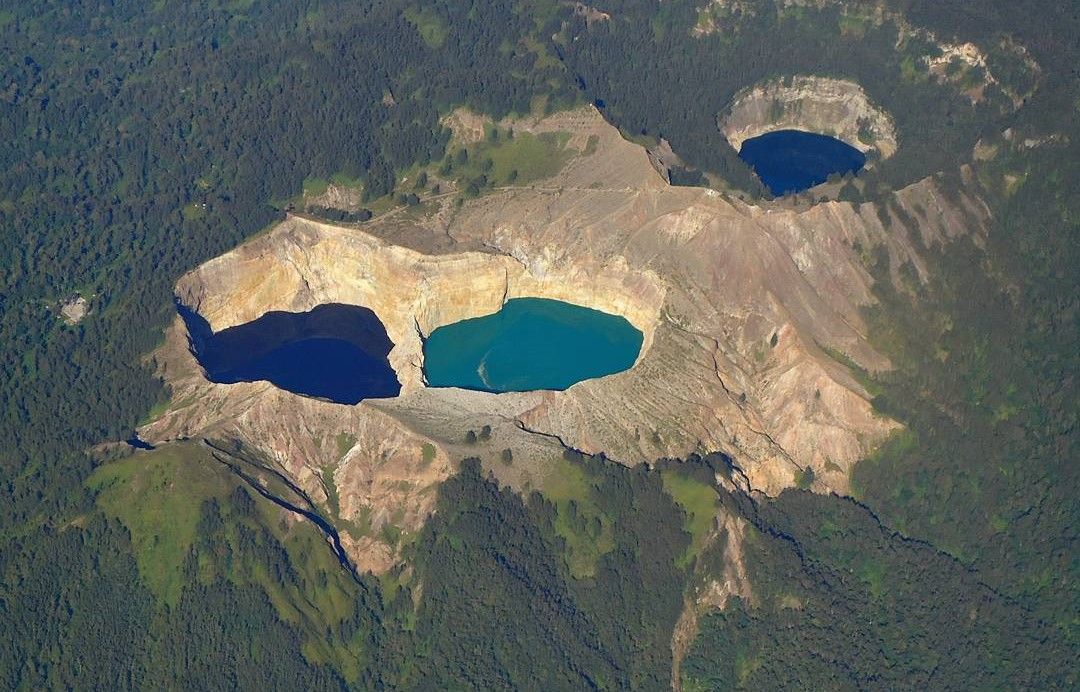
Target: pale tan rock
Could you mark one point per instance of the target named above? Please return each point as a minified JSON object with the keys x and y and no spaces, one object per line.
{"x":74,"y":309}
{"x":834,"y":107}
{"x":338,"y":197}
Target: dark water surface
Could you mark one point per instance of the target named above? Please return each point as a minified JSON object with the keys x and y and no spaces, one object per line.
{"x":531,"y":343}
{"x":793,"y":160}
{"x":135,"y":443}
{"x":335,"y":352}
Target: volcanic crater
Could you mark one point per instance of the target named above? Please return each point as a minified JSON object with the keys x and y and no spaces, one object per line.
{"x":746,"y":312}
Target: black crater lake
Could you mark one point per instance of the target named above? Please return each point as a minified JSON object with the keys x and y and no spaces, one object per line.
{"x":530,"y":344}
{"x":334,"y":352}
{"x":793,"y":160}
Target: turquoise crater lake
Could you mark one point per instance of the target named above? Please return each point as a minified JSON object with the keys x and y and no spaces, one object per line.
{"x":530,"y":344}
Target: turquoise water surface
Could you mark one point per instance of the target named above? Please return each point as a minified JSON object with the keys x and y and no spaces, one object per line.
{"x":531,"y":343}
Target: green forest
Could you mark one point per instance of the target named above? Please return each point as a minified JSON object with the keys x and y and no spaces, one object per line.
{"x":138,"y":140}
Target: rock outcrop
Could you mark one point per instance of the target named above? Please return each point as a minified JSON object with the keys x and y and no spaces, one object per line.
{"x":833,"y":107}
{"x":74,"y":308}
{"x":742,"y":308}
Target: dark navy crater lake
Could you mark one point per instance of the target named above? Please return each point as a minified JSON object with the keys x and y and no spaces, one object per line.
{"x":530,"y":344}
{"x":335,"y":352}
{"x":793,"y":160}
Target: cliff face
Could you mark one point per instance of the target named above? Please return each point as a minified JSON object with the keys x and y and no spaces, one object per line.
{"x":833,"y":107}
{"x":740,"y":306}
{"x":304,"y":263}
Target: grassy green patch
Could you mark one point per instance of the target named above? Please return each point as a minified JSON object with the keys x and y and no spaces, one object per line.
{"x":698,"y":502}
{"x":237,"y":6}
{"x":804,"y":478}
{"x":345,"y":442}
{"x":193,"y":211}
{"x":333,"y":500}
{"x":910,"y":71}
{"x":639,"y":139}
{"x":745,"y":665}
{"x":428,"y":24}
{"x":313,"y":187}
{"x":345,"y":180}
{"x":158,"y":496}
{"x":156,"y":411}
{"x":507,"y":159}
{"x":544,"y":58}
{"x":852,"y":25}
{"x":873,"y":573}
{"x":863,"y":377}
{"x":580,"y":522}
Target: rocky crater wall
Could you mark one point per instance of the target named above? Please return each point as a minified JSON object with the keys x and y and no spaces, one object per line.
{"x":833,"y":107}
{"x":304,"y":263}
{"x":743,"y":309}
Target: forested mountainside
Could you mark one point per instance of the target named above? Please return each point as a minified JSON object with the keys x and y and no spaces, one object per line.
{"x":140,"y":139}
